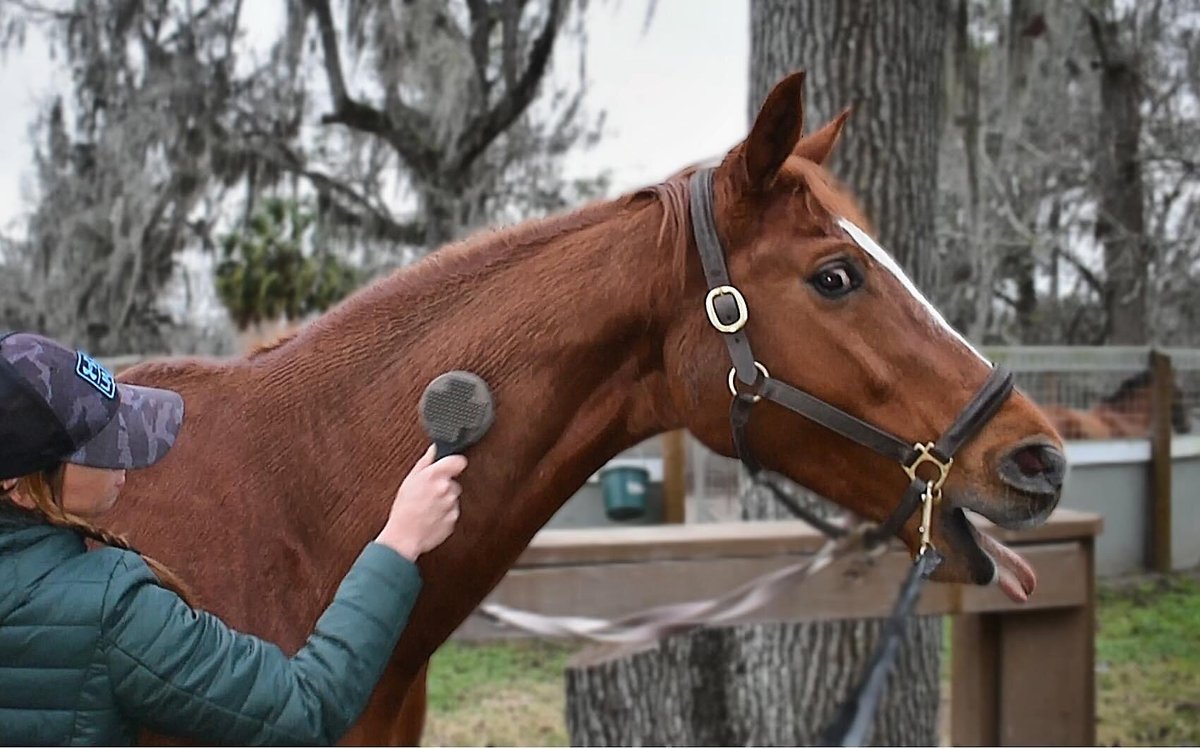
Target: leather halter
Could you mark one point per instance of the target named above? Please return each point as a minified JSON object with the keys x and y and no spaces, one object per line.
{"x":728,"y":313}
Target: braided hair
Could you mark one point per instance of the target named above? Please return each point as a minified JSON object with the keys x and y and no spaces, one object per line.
{"x":39,"y":488}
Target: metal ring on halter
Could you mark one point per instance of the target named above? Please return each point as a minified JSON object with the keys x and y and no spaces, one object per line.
{"x":925,"y":455}
{"x":739,"y":300}
{"x":733,"y":372}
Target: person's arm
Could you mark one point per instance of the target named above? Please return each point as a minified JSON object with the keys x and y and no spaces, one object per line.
{"x":185,"y":673}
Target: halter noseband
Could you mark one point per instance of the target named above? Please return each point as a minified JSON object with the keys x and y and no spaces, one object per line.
{"x":728,"y":313}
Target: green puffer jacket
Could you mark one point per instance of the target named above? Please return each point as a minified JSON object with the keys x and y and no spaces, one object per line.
{"x":92,"y":648}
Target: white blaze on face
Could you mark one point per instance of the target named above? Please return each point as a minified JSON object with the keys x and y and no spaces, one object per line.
{"x":881,"y":256}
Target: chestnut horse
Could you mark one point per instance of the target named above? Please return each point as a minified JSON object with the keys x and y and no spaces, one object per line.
{"x":1127,"y":412}
{"x":591,"y":330}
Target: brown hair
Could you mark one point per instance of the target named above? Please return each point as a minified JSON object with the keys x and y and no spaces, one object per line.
{"x":39,"y":488}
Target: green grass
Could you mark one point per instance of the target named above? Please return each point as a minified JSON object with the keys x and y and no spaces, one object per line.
{"x":497,"y":695}
{"x":1147,"y":656}
{"x":1148,"y":662}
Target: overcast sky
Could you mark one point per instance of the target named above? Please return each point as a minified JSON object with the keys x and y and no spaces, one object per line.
{"x":674,"y":93}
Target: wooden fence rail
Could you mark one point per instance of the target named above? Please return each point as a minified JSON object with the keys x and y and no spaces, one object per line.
{"x":1021,"y":674}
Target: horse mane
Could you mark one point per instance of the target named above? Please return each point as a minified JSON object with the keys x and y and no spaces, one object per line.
{"x":674,"y":230}
{"x":267,"y":347}
{"x":824,"y":197}
{"x":672,"y":193}
{"x":423,"y":286}
{"x":463,"y":262}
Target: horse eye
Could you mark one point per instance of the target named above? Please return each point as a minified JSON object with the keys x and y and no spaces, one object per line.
{"x":836,"y":279}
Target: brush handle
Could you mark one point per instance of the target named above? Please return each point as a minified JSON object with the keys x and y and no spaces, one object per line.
{"x":444,"y":449}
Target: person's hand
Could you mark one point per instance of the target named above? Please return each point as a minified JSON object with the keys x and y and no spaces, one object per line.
{"x":426,"y":506}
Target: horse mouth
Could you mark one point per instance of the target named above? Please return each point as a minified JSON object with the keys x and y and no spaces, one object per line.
{"x":987,"y":560}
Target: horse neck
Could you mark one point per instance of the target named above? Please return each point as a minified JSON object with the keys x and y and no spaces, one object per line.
{"x":566,"y":330}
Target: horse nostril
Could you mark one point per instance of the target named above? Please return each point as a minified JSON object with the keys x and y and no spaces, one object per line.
{"x":1030,"y":461}
{"x":1035,"y":467}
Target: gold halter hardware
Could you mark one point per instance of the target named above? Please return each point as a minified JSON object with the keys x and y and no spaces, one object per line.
{"x":711,"y":308}
{"x":733,"y":387}
{"x":932,"y":493}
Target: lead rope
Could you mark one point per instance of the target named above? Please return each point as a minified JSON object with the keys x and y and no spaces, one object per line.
{"x":849,"y":727}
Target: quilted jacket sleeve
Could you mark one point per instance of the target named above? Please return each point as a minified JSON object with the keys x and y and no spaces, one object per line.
{"x":182,"y":672}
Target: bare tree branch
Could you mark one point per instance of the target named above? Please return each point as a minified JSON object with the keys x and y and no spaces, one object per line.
{"x":1092,"y":280}
{"x":412,"y":233}
{"x":400,"y":132}
{"x":1189,"y":166}
{"x":482,"y":131}
{"x":510,"y":22}
{"x":482,"y":22}
{"x":1007,"y":299}
{"x":331,"y":52}
{"x":37,"y":9}
{"x":1096,"y":26}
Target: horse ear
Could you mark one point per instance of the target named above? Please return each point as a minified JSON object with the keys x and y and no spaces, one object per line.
{"x":775,"y":132}
{"x":817,"y":146}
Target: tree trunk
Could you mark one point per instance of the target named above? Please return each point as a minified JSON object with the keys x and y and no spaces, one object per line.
{"x":1020,"y":60}
{"x":779,"y":685}
{"x":439,"y":209}
{"x":963,"y":88}
{"x":884,"y":59}
{"x":754,"y":685}
{"x":450,"y":208}
{"x":1120,"y":221}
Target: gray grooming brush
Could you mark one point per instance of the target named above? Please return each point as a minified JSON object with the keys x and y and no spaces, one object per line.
{"x":456,"y":411}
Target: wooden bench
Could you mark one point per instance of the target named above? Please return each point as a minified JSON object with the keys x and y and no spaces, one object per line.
{"x":1021,"y":674}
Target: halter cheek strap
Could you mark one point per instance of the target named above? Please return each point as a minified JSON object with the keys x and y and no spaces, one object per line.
{"x":724,"y":304}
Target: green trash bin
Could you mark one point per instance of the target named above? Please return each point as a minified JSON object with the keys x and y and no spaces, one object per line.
{"x":624,"y":489}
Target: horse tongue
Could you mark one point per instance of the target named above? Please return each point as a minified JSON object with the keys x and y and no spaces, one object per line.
{"x":1017,"y":579}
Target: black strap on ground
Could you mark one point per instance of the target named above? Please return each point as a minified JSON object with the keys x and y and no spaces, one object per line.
{"x":850,"y":726}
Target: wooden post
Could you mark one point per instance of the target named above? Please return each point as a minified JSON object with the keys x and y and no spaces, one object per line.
{"x":975,"y":680}
{"x":674,"y":478}
{"x":1158,"y":520}
{"x":1003,"y":691}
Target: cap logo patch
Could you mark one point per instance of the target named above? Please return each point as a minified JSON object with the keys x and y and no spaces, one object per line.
{"x":92,"y":372}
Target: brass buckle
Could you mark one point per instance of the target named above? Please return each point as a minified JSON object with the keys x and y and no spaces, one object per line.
{"x":925,"y":455}
{"x":932,"y":494}
{"x":926,"y":526}
{"x":733,"y":387}
{"x":710,"y":307}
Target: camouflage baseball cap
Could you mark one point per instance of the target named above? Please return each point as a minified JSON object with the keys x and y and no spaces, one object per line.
{"x":59,"y":405}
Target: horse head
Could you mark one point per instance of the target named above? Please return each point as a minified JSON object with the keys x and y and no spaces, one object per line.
{"x":829,"y":312}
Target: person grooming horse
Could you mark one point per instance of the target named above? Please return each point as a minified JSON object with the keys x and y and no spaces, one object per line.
{"x":97,"y":645}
